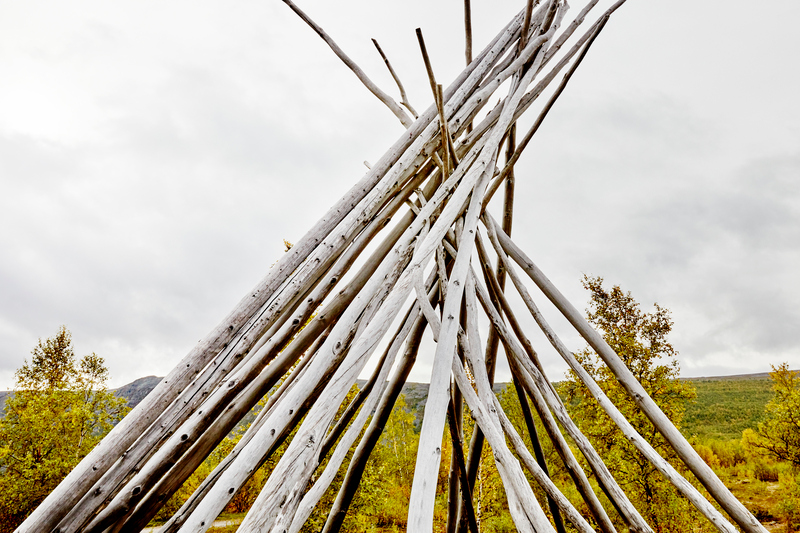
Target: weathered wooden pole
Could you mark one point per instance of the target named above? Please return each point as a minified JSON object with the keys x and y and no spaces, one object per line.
{"x":685,"y":451}
{"x":312,"y":326}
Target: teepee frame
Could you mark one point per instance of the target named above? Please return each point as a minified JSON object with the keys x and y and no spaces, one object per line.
{"x":308,"y":329}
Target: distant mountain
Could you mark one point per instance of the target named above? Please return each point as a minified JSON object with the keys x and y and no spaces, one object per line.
{"x":3,"y":395}
{"x":734,"y":377}
{"x":725,"y":404}
{"x":135,"y":391}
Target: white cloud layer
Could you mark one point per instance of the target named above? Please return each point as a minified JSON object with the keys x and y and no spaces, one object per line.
{"x":153,"y":156}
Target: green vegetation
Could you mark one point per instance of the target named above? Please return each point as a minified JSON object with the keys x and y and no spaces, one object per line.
{"x":725,"y":407}
{"x":778,"y":439}
{"x":778,"y":436}
{"x":742,"y":427}
{"x":60,"y":409}
{"x":746,"y":428}
{"x":640,"y":340}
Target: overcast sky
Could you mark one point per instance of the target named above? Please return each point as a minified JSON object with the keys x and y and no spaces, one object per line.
{"x":154,"y":155}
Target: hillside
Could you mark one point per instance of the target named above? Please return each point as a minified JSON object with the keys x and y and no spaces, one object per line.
{"x":726,"y":405}
{"x":416,"y":395}
{"x":134,"y":391}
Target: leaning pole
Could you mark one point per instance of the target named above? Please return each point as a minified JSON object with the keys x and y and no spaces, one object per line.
{"x":412,"y":247}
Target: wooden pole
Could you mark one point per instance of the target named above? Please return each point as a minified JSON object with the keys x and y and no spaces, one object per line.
{"x":491,"y":403}
{"x":729,"y":503}
{"x":315,"y":493}
{"x":357,"y":464}
{"x":468,"y":31}
{"x":520,"y":495}
{"x":220,"y":398}
{"x":492,"y":342}
{"x":694,"y":496}
{"x":549,"y":105}
{"x":546,"y":79}
{"x":570,"y":463}
{"x":289,"y":474}
{"x":421,"y":505}
{"x":456,"y":481}
{"x":527,"y":514}
{"x":458,"y":454}
{"x":177,"y":520}
{"x":545,"y":400}
{"x":500,"y":275}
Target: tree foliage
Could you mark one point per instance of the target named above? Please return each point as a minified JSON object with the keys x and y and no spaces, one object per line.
{"x":640,"y":340}
{"x":778,"y":436}
{"x":59,"y":410}
{"x":385,"y":487}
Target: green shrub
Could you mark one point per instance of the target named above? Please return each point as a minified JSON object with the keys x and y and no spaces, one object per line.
{"x":707,"y":455}
{"x":729,"y":453}
{"x":789,"y":507}
{"x":500,"y":523}
{"x":761,"y":514}
{"x":765,"y":472}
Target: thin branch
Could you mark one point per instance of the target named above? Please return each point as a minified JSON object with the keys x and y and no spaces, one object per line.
{"x":468,"y":39}
{"x":526,"y":24}
{"x":368,"y":83}
{"x":448,"y":150}
{"x":427,"y":60}
{"x":437,"y":96}
{"x":451,"y":149}
{"x":403,"y":97}
{"x":468,"y":31}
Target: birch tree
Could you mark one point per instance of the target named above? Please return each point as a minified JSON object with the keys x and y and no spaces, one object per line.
{"x":778,"y":435}
{"x":59,"y":410}
{"x":778,"y":438}
{"x":640,"y":339}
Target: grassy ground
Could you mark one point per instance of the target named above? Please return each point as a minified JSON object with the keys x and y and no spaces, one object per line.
{"x":762,"y":498}
{"x":225,"y":529}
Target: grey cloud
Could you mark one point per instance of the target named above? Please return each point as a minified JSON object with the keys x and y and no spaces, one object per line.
{"x":141,"y":241}
{"x":214,"y":137}
{"x":647,"y":194}
{"x":735,"y":244}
